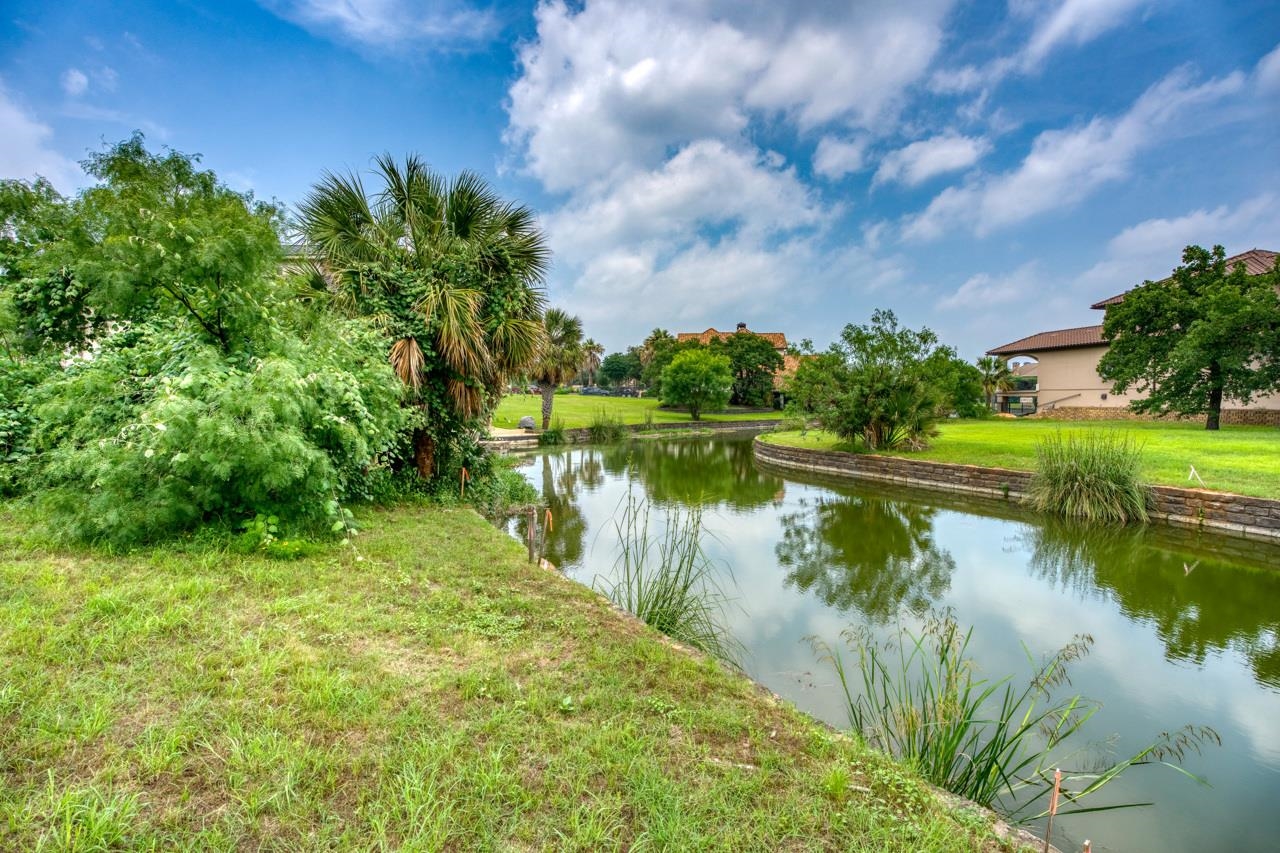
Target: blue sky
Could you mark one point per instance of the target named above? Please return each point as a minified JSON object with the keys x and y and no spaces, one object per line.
{"x":986,"y":169}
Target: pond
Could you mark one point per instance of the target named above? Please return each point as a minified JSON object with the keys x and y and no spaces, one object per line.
{"x":1187,"y":625}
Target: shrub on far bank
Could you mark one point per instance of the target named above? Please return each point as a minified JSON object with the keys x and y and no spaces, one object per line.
{"x":1090,"y":476}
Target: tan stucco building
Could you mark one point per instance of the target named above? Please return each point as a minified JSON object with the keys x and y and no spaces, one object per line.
{"x":1066,"y":368}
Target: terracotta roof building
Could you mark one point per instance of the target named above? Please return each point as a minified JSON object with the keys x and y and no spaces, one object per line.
{"x":1083,"y":336}
{"x":778,"y":339}
{"x":1066,"y":367}
{"x":1256,"y":262}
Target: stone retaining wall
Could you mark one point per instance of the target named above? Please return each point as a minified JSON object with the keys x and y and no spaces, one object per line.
{"x":1230,"y":417}
{"x":1221,"y":511}
{"x":582,"y":435}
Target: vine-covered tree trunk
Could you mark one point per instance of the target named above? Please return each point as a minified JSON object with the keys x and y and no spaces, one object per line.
{"x":424,"y":454}
{"x":548,"y":399}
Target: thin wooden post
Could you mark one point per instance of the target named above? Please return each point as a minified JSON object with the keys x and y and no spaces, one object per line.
{"x":531,"y":524}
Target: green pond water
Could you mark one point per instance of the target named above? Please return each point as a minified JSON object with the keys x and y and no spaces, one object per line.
{"x":1187,"y":625}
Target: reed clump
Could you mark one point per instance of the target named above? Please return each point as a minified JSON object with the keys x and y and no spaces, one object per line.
{"x":919,"y":697}
{"x":606,"y":428}
{"x":1093,"y":477}
{"x":668,"y":580}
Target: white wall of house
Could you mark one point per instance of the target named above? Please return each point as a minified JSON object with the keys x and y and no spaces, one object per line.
{"x":1069,"y":377}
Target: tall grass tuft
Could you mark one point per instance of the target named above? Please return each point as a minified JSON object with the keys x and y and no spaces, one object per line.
{"x":1090,"y":476}
{"x":920,"y":699}
{"x":553,"y":436}
{"x":668,"y":580}
{"x":606,"y":429}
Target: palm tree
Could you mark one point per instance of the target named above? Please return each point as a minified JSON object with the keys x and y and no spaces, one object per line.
{"x":657,"y":339}
{"x":449,"y":271}
{"x":560,"y":356}
{"x":996,"y":377}
{"x":592,"y":353}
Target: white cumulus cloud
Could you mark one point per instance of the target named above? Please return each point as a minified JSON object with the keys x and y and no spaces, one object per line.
{"x":1065,"y":166}
{"x":25,"y":151}
{"x":927,"y":158}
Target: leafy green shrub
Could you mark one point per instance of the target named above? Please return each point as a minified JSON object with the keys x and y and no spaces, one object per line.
{"x":606,"y":429}
{"x":881,"y":384}
{"x":1090,"y":476}
{"x":918,"y":698}
{"x":161,"y":432}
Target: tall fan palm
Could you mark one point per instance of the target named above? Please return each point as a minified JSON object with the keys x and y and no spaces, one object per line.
{"x":447,"y":269}
{"x":560,"y":357}
{"x":996,"y":377}
{"x":592,"y":355}
{"x":658,"y":339}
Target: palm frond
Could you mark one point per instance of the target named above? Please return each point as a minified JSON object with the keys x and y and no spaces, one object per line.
{"x":407,"y":361}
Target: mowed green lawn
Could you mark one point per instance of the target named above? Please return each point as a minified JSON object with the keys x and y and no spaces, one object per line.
{"x":1244,"y":460}
{"x":578,"y":410}
{"x":432,"y":691}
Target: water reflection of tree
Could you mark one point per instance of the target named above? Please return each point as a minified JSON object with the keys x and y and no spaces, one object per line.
{"x":562,"y":475}
{"x":868,"y":553}
{"x":1197,"y":603}
{"x":718,"y":471}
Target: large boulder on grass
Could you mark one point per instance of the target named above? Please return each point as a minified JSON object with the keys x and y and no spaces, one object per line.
{"x":526,"y":423}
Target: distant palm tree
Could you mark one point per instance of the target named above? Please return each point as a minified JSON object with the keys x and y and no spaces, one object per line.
{"x":560,"y":356}
{"x":657,"y":339}
{"x":592,"y":353}
{"x":996,"y":377}
{"x":448,"y":270}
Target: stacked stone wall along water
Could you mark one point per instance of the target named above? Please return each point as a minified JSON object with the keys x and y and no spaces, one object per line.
{"x":1220,"y":511}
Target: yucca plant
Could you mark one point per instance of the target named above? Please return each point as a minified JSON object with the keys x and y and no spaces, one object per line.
{"x":1090,"y":476}
{"x":919,"y":698}
{"x":668,"y":581}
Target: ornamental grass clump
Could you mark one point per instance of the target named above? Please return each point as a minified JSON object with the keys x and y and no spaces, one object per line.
{"x":1093,"y":477}
{"x":920,"y":698}
{"x":669,"y":581}
{"x":606,"y":428}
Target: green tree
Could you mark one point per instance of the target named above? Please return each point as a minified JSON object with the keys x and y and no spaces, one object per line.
{"x":658,"y":340}
{"x":1205,"y":334}
{"x":183,"y":383}
{"x":592,"y":353}
{"x":877,"y":384}
{"x":754,"y":362}
{"x":995,"y":377}
{"x":698,"y":379}
{"x":452,"y":275}
{"x":559,"y":357}
{"x":618,"y":367}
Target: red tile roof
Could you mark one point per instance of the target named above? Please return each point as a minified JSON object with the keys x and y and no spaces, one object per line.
{"x":778,"y":339}
{"x":1256,"y":262}
{"x":1084,"y":336}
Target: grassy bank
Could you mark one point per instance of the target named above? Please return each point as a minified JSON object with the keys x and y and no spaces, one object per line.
{"x":1244,"y":460}
{"x":577,"y":410}
{"x":435,"y":693}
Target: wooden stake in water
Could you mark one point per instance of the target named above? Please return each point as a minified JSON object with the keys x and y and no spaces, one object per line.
{"x":1053,"y":808}
{"x":530,"y":530}
{"x":547,"y":527}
